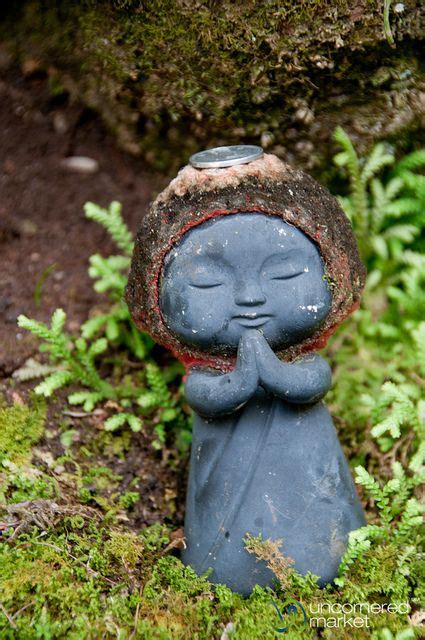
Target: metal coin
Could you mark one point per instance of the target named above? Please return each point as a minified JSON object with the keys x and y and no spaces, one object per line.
{"x":220,"y":157}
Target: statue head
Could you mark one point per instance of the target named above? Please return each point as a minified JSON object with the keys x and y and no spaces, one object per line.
{"x":259,"y":245}
{"x":242,"y":271}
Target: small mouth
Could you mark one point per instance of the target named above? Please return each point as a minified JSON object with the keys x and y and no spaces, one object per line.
{"x":252,"y":319}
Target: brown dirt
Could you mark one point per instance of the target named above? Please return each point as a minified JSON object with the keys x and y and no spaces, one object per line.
{"x":42,"y":224}
{"x":41,"y":207}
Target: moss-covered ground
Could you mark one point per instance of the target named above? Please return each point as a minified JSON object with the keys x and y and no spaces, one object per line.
{"x":76,"y":563}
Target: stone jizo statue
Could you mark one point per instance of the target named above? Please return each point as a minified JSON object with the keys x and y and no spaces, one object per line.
{"x":244,"y":271}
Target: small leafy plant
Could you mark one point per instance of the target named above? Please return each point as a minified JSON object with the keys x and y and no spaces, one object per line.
{"x":76,"y":360}
{"x":384,"y":352}
{"x":387,"y":216}
{"x":110,"y":275}
{"x":400,"y":517}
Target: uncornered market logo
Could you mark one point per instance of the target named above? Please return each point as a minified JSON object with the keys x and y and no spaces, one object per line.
{"x":333,"y":614}
{"x":290,"y":607}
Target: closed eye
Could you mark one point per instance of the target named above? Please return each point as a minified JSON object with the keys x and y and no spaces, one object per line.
{"x":286,"y":276}
{"x":211,"y":285}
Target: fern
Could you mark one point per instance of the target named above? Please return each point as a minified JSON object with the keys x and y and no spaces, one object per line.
{"x":73,"y":360}
{"x":110,"y":276}
{"x":376,"y":199}
{"x":119,"y":419}
{"x":76,"y":364}
{"x":89,"y":399}
{"x":111,"y":219}
{"x":360,"y":173}
{"x":32,"y":370}
{"x":359,"y":542}
{"x":158,"y":398}
{"x":76,"y":359}
{"x":119,"y":331}
{"x":400,"y":518}
{"x":410,"y":520}
{"x":403,"y":409}
{"x":157,"y":384}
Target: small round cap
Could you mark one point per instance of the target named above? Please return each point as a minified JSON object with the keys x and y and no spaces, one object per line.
{"x":220,"y":157}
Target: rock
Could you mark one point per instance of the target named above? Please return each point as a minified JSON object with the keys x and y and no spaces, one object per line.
{"x":30,"y":66}
{"x":60,"y":123}
{"x":80,"y":164}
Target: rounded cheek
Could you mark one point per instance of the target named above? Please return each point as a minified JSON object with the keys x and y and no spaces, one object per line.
{"x":207,"y":310}
{"x":298,"y":306}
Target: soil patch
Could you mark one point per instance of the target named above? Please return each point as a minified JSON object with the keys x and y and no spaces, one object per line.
{"x":45,"y":240}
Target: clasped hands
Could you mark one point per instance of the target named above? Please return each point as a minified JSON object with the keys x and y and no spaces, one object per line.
{"x":255,"y":361}
{"x":304,"y":381}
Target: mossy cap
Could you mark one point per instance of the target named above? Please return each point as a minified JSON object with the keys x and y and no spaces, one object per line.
{"x":266,"y":185}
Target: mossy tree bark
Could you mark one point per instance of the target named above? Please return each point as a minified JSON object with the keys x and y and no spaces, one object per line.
{"x":171,"y":76}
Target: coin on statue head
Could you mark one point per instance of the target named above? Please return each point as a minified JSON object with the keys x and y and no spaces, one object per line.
{"x":221,"y":157}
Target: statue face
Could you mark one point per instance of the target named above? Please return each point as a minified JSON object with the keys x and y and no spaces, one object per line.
{"x":239,"y":272}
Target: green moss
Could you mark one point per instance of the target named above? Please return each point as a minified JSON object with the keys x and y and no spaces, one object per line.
{"x":87,"y":585}
{"x":124,"y":547}
{"x":170,"y":76}
{"x":21,"y":426}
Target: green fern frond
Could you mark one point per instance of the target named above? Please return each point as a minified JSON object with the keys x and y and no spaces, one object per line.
{"x":110,"y":274}
{"x":119,"y":419}
{"x":411,"y":518}
{"x":157,"y":384}
{"x":417,"y":461}
{"x":402,"y":207}
{"x":57,"y":323}
{"x":89,"y":399}
{"x":377,"y":160}
{"x":403,"y":410}
{"x":418,"y":335}
{"x":392,"y":188}
{"x":359,"y":542}
{"x":412,"y":161}
{"x":53,"y":382}
{"x":111,"y":219}
{"x":400,"y":516}
{"x":39,"y":329}
{"x":56,"y":341}
{"x":92,"y":326}
{"x":380,"y":247}
{"x":406,"y":233}
{"x":376,"y":199}
{"x":381,"y":496}
{"x":349,"y":159}
{"x":416,"y":183}
{"x":75,"y":358}
{"x":96,"y":348}
{"x":32,"y":369}
{"x":364,"y":478}
{"x":148,"y":400}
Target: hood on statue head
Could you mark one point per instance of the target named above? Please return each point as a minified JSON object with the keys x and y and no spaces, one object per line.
{"x":268,"y":186}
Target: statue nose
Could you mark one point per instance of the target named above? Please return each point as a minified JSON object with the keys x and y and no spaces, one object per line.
{"x":249,"y":294}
